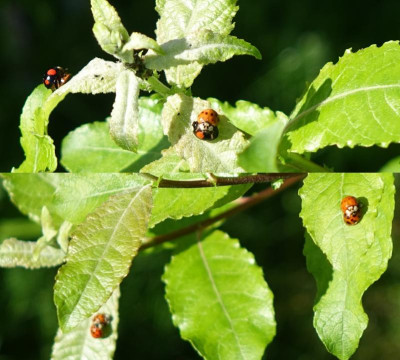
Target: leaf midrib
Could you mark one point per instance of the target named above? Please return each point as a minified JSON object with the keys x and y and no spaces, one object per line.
{"x":218,"y":295}
{"x":340,"y":96}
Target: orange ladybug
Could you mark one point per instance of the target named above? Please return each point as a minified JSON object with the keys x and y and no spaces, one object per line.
{"x":206,"y":125}
{"x":208,"y":115}
{"x":100,"y":323}
{"x":351,"y":209}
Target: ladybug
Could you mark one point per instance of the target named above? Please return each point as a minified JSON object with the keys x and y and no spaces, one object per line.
{"x":205,"y":127}
{"x":351,"y":209}
{"x":100,"y":325}
{"x":55,"y":77}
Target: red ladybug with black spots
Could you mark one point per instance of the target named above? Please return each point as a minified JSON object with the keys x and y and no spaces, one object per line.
{"x":205,"y":127}
{"x":55,"y":77}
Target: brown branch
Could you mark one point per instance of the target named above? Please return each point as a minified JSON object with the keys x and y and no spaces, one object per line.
{"x":219,"y":181}
{"x":244,"y":203}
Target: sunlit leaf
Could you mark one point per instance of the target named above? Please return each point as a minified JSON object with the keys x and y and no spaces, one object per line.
{"x":355,"y":102}
{"x":100,"y":254}
{"x":78,"y":344}
{"x":124,"y":122}
{"x":220,"y":300}
{"x":350,"y":258}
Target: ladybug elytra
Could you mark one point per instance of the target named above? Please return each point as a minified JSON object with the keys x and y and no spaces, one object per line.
{"x":205,"y":127}
{"x":55,"y":77}
{"x":351,"y":209}
{"x":100,"y":325}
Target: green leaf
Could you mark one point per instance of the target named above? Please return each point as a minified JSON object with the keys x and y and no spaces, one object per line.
{"x":392,"y":166}
{"x":246,"y":116}
{"x":220,"y":300}
{"x":138,"y":41}
{"x":219,"y":155}
{"x":68,"y":197}
{"x":124,"y":122}
{"x":100,"y":254}
{"x":91,"y":149}
{"x":204,"y":48}
{"x":262,"y":152}
{"x":356,"y":255}
{"x":15,"y":253}
{"x":79,"y":344}
{"x":31,"y":192}
{"x":352,"y":103}
{"x":180,"y":18}
{"x":170,"y":163}
{"x":38,"y":146}
{"x":178,"y":203}
{"x":108,"y":30}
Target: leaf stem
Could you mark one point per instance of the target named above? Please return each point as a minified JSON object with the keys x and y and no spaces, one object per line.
{"x":159,"y":87}
{"x":213,"y":180}
{"x":243,"y":204}
{"x":304,"y":164}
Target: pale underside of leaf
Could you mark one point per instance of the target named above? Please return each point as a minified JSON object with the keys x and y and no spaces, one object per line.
{"x":100,"y":254}
{"x":138,"y":41}
{"x":204,"y":48}
{"x":78,"y":344}
{"x":219,"y":299}
{"x":15,"y":253}
{"x":219,"y":155}
{"x":351,"y":257}
{"x":179,"y":18}
{"x":124,"y":122}
{"x":352,"y":103}
{"x":109,"y":30}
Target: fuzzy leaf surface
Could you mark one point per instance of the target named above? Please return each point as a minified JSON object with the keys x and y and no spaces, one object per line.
{"x":108,"y":29}
{"x":180,"y":18}
{"x":91,"y":149}
{"x":218,"y":155}
{"x":355,"y":102}
{"x":138,"y":41}
{"x":100,"y":254}
{"x":124,"y":122}
{"x":15,"y":253}
{"x":351,"y":257}
{"x":203,"y":48}
{"x":265,"y":126}
{"x":219,"y":299}
{"x":78,"y":344}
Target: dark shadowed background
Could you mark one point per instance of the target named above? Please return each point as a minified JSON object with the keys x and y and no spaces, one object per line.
{"x":296,"y":38}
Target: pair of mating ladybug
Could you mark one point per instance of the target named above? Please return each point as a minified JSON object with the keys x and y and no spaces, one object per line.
{"x":351,"y":209}
{"x":206,"y":125}
{"x":100,"y":325}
